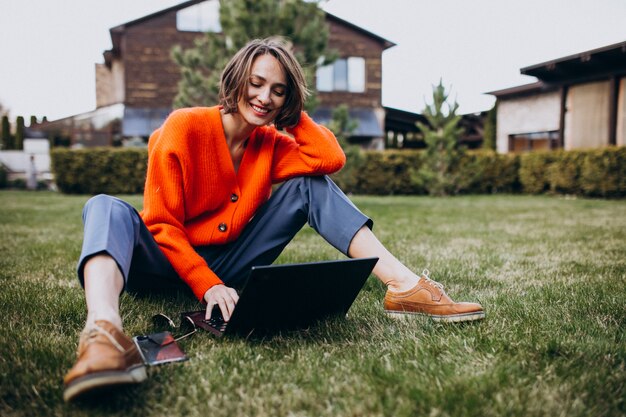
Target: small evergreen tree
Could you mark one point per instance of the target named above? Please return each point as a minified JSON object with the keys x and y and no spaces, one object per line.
{"x":489,"y":135}
{"x":342,"y":125}
{"x":438,"y":173}
{"x":301,"y":22}
{"x":7,"y":140}
{"x":19,"y":133}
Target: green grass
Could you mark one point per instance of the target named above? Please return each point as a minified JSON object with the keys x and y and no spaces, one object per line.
{"x":551,"y":273}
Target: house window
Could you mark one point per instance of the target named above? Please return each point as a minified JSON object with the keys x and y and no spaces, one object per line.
{"x":347,"y":74}
{"x":202,"y":17}
{"x":525,"y":142}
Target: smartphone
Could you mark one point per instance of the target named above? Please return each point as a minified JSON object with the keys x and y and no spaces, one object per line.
{"x":159,"y":348}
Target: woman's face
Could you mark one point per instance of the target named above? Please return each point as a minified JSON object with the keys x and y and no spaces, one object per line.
{"x":265,"y":91}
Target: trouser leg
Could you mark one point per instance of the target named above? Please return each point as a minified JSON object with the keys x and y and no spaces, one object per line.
{"x":114,"y":227}
{"x":316,"y":200}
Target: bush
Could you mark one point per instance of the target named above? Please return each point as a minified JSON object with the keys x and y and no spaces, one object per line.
{"x":564,"y":172}
{"x":486,"y":171}
{"x":4,"y":176}
{"x":596,"y":173}
{"x":533,"y":171}
{"x":346,"y":178}
{"x":389,"y":173}
{"x":603,"y":173}
{"x":100,"y":170}
{"x":17,"y":184}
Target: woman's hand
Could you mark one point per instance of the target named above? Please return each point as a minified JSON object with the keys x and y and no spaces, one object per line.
{"x":223,"y":296}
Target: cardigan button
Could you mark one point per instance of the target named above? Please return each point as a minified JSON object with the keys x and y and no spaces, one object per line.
{"x":222,"y":227}
{"x":234,"y":198}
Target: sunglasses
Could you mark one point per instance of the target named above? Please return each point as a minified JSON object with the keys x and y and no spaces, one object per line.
{"x":185,"y":329}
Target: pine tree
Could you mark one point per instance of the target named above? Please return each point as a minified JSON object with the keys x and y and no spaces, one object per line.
{"x":489,"y":135}
{"x":301,"y":22}
{"x":7,"y":140}
{"x":19,"y":133}
{"x":438,"y":173}
{"x":342,"y":125}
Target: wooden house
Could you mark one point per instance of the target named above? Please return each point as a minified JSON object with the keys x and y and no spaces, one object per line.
{"x":579,"y":101}
{"x":137,"y":83}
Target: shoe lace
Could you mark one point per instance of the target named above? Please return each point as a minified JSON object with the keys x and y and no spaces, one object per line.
{"x":94,"y":330}
{"x":426,"y":275}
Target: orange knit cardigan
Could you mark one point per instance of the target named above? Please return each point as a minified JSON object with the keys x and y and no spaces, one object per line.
{"x":194,"y":197}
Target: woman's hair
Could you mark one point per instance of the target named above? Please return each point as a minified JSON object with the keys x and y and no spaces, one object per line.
{"x":237,"y":72}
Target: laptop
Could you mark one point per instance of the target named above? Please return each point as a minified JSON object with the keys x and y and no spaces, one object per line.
{"x":290,"y":296}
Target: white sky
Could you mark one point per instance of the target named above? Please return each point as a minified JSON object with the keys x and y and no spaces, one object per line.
{"x":48,"y":48}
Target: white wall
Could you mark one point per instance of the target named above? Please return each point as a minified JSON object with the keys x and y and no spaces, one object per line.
{"x":19,"y":164}
{"x":538,"y":113}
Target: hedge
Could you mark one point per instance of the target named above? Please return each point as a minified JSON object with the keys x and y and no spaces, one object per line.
{"x":488,"y":172}
{"x":603,"y":173}
{"x":100,"y":170}
{"x":594,"y":173}
{"x":390,"y":173}
{"x":533,"y":171}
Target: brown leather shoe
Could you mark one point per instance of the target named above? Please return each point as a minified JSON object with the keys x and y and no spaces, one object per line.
{"x":429,"y":298}
{"x":106,"y":357}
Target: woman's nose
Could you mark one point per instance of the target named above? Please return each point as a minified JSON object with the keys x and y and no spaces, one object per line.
{"x":264,"y":96}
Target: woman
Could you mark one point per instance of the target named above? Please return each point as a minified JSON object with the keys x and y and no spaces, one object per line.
{"x":208,"y":218}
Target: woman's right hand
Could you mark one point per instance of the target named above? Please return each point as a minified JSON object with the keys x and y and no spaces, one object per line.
{"x":223,"y":296}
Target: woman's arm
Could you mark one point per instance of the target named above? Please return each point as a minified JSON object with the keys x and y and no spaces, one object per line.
{"x":164,"y":206}
{"x":313,"y":150}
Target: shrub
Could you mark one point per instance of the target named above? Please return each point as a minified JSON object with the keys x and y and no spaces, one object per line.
{"x":4,"y":176}
{"x":388,"y":173}
{"x":346,"y":178}
{"x":599,"y":173}
{"x":564,"y":171}
{"x":595,"y":173}
{"x":18,"y":141}
{"x":17,"y":183}
{"x":100,"y":170}
{"x":7,"y":139}
{"x":533,"y":171}
{"x":603,"y":172}
{"x":485,"y":171}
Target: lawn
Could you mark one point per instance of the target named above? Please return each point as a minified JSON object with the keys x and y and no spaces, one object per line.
{"x":550,"y":271}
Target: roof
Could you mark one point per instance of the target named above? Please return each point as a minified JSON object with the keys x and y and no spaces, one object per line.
{"x":367,"y":122}
{"x":523,"y":90}
{"x":150,"y":16}
{"x":603,"y":61}
{"x":386,"y":43}
{"x":402,"y":120}
{"x":118,"y":30}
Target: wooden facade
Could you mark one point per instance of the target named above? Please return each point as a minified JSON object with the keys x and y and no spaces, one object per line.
{"x":349,"y":40}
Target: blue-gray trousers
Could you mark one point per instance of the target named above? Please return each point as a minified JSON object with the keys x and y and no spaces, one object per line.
{"x":114,"y":227}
